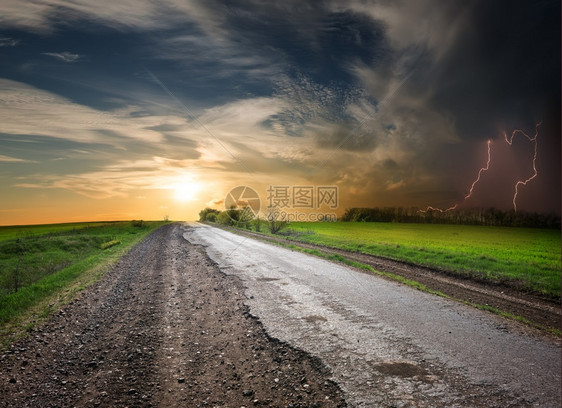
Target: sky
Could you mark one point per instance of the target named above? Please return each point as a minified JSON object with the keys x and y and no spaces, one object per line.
{"x":145,"y":109}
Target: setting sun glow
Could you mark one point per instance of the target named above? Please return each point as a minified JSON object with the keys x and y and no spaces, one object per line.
{"x":186,"y":191}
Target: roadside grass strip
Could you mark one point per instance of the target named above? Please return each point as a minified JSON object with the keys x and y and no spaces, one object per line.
{"x":40,"y":273}
{"x":416,"y":285}
{"x":527,"y":258}
{"x":18,"y":231}
{"x":409,"y":282}
{"x":369,"y":268}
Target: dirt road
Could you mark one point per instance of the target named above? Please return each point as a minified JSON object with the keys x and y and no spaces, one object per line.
{"x":164,"y":328}
{"x":387,"y":344}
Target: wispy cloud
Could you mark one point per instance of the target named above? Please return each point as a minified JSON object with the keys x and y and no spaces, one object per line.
{"x":117,"y":179}
{"x":8,"y":159}
{"x":199,"y":50}
{"x":26,"y":110}
{"x":125,"y":14}
{"x":64,"y":56}
{"x":281,"y":135}
{"x":8,"y":42}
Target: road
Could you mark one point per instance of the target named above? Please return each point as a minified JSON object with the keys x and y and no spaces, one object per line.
{"x":387,"y":344}
{"x":163,"y":328}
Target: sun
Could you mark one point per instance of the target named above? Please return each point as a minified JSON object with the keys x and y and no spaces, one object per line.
{"x":186,"y":191}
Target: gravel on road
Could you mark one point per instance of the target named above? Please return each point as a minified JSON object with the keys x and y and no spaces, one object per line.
{"x":163,"y":328}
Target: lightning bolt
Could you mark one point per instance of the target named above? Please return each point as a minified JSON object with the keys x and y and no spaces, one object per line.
{"x":535,"y":173}
{"x":474,"y":183}
{"x":441,"y":210}
{"x":519,"y":183}
{"x":483,"y":169}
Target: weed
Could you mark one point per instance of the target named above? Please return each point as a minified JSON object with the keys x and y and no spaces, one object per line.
{"x":137,"y":223}
{"x":109,"y":244}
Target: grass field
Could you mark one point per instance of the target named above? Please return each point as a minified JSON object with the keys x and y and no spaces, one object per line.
{"x":42,"y":261}
{"x":528,"y":256}
{"x":16,"y":231}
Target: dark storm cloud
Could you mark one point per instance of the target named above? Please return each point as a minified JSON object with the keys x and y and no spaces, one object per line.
{"x":505,"y":70}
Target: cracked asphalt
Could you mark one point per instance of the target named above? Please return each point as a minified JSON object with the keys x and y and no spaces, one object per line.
{"x":387,"y":344}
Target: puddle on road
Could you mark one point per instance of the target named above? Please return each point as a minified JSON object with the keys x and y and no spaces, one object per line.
{"x":400,"y":369}
{"x":315,"y":318}
{"x":267,"y":279}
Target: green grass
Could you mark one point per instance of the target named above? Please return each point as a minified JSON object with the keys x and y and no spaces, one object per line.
{"x":530,"y":257}
{"x":54,"y":262}
{"x":16,"y":231}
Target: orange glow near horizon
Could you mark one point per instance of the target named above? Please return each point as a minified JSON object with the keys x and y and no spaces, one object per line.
{"x":52,"y":207}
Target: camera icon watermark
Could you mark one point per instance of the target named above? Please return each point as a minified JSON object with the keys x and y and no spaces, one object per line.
{"x":242,"y":203}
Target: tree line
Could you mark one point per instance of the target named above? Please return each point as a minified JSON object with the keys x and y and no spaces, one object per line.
{"x":473,"y":216}
{"x":244,"y":218}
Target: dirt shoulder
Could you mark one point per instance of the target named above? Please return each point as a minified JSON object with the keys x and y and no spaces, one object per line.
{"x":164,"y":327}
{"x":537,"y":310}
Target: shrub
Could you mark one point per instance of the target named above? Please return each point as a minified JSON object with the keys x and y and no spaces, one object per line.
{"x":275,"y":223}
{"x":137,"y":223}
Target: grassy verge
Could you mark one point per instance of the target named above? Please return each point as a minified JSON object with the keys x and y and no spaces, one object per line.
{"x":527,"y":257}
{"x":417,"y":285}
{"x":55,"y":266}
{"x":17,"y":231}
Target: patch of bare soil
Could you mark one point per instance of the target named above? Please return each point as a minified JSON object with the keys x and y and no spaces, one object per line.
{"x":541,"y":311}
{"x":163,"y":328}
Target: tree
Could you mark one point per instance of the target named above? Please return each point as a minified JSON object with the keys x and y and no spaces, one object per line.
{"x":208,"y":214}
{"x":224,"y":219}
{"x":275,"y":221}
